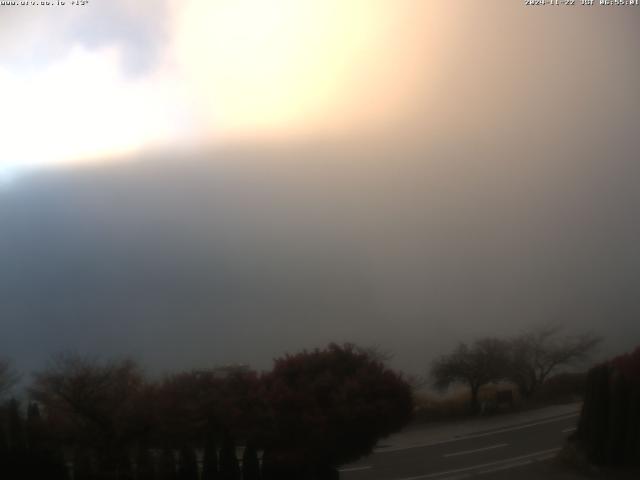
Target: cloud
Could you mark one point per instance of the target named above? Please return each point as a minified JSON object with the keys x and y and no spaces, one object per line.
{"x":84,"y":107}
{"x":32,"y":37}
{"x":86,"y":84}
{"x":124,"y":74}
{"x":288,"y":69}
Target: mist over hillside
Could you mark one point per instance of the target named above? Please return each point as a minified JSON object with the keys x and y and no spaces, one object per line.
{"x":238,"y":256}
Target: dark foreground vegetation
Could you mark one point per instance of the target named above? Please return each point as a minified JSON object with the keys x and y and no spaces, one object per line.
{"x":608,"y":432}
{"x":313,"y":412}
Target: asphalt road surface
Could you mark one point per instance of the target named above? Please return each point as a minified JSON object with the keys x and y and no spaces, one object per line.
{"x":479,"y":453}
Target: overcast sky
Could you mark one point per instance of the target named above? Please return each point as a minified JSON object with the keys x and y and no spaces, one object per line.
{"x":210,"y":181}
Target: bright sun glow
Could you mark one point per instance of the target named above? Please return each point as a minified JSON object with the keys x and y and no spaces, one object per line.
{"x":228,"y":68}
{"x":76,"y":110}
{"x":290,"y":66}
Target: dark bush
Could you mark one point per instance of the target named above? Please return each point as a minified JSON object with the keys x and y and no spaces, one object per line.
{"x":609,"y":426}
{"x":561,"y":388}
{"x":250,"y":463}
{"x":144,"y":464}
{"x":210,"y":459}
{"x":330,"y":407}
{"x":313,"y":412}
{"x":188,"y":465}
{"x":229,"y":468}
{"x":167,"y":465}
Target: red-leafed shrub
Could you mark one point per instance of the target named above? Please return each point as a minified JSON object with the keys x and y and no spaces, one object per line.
{"x":331,"y":406}
{"x":192,"y":405}
{"x":311,"y":413}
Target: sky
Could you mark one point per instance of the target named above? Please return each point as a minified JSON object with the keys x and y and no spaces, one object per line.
{"x":205,"y":182}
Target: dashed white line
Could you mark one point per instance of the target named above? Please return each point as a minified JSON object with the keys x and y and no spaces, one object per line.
{"x":355,"y":469}
{"x":508,"y":466}
{"x":518,"y":463}
{"x":506,"y":463}
{"x":479,"y":435}
{"x":466,"y":452}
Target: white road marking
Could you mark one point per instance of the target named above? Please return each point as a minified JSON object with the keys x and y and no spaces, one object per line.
{"x":506,"y":463}
{"x":355,"y":469}
{"x":479,"y":435}
{"x":517,"y":464}
{"x":505,"y":467}
{"x":567,"y":430}
{"x":465,"y":452}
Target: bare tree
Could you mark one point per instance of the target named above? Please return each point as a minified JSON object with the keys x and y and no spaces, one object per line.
{"x":482,"y":362}
{"x":377,"y":353}
{"x":98,"y":404}
{"x":537,"y":354}
{"x":8,"y":377}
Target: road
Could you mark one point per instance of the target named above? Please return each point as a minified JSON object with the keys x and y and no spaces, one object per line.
{"x":477,"y":453}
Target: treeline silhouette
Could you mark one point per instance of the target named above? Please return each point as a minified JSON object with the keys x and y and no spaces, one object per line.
{"x":314,"y":411}
{"x":526,"y":361}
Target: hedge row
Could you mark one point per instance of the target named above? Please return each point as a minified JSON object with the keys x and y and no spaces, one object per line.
{"x":609,"y":426}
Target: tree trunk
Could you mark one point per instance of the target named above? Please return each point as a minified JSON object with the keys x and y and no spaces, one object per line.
{"x":475,"y":406}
